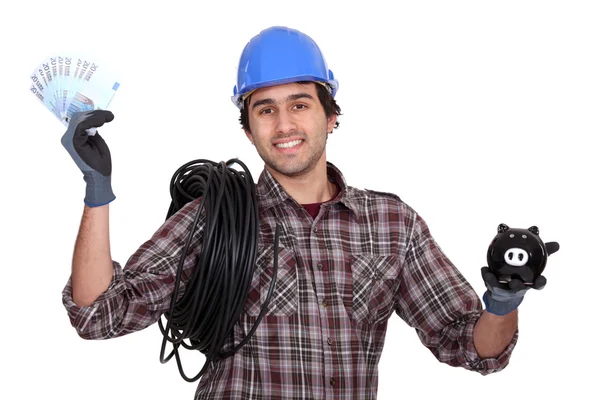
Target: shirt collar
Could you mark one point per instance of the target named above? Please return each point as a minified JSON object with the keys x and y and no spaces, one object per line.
{"x":271,"y":193}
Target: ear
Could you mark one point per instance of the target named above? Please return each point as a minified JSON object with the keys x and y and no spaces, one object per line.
{"x":534,"y":229}
{"x":502,"y":228}
{"x":331,"y":120}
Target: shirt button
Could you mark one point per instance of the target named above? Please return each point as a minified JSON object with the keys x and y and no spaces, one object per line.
{"x":324,"y":303}
{"x":329,"y":341}
{"x":315,"y":230}
{"x":319,"y":266}
{"x":332,"y":381}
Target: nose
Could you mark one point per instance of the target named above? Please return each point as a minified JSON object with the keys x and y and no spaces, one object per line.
{"x":285,"y":122}
{"x":516,"y":257}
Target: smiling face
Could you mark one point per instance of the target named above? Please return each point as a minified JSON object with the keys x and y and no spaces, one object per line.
{"x":289,"y":127}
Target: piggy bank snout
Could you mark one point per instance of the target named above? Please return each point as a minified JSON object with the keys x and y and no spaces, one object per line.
{"x":516,"y":257}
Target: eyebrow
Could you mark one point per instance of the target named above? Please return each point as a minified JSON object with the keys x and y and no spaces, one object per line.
{"x":291,"y":97}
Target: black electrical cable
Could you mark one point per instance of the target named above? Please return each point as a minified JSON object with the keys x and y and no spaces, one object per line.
{"x":219,"y":284}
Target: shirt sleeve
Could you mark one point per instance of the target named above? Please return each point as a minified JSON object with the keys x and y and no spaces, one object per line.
{"x":141,"y":292}
{"x":436,"y":300}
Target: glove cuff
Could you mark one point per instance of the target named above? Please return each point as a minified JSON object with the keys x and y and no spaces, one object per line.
{"x":501,"y":305}
{"x":98,"y":191}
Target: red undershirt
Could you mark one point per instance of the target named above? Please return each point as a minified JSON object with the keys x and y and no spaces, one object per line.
{"x":313,"y":208}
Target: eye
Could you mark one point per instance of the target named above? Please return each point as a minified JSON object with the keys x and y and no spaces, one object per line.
{"x":266,"y":111}
{"x":512,"y":235}
{"x":299,"y":106}
{"x":524,"y":236}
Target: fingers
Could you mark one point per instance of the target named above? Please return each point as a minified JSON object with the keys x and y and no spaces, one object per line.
{"x":516,"y":284}
{"x":100,"y":145}
{"x":539,"y":283}
{"x":91,"y":119}
{"x":489,"y":278}
{"x":87,"y":120}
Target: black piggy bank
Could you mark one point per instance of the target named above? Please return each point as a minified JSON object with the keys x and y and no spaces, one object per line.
{"x":517,"y":257}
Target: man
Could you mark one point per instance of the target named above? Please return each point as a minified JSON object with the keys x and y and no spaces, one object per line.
{"x":348,"y":258}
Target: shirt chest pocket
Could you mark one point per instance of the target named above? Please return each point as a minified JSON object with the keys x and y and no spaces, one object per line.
{"x":284,"y":300}
{"x":374,"y":287}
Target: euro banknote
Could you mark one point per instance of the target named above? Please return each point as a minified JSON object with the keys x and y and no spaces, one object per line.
{"x":67,"y":84}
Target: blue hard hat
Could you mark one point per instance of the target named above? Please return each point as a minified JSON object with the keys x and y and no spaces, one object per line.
{"x":279,"y":55}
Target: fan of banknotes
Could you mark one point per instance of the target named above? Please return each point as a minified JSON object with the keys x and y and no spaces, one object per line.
{"x":69,"y":84}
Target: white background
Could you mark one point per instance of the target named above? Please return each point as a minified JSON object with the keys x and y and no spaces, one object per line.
{"x":474,"y":112}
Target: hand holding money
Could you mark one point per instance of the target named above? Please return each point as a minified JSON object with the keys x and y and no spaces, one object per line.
{"x":91,"y":154}
{"x":78,"y":90}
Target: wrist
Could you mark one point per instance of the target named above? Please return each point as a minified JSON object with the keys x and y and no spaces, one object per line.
{"x":500,"y":304}
{"x":98,"y":190}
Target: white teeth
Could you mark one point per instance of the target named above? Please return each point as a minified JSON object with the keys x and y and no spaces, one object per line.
{"x":288,"y":144}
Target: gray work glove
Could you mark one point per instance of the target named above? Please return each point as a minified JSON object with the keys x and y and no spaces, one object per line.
{"x":500,"y":299}
{"x":91,"y":155}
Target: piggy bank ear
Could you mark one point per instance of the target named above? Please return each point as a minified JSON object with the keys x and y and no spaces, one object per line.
{"x":502,"y":228}
{"x":552,"y":247}
{"x":534,"y":229}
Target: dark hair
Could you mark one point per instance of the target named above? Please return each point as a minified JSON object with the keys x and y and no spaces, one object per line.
{"x":327,"y":101}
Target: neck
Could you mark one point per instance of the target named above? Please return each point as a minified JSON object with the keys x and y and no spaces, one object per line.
{"x":310,"y":187}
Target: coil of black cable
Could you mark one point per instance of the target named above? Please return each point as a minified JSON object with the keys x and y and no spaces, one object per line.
{"x":218,"y":287}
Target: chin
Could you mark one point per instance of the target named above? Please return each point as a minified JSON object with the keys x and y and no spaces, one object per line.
{"x":290,"y":169}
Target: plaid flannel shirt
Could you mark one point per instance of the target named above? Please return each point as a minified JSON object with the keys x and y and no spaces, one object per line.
{"x":341,"y":276}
